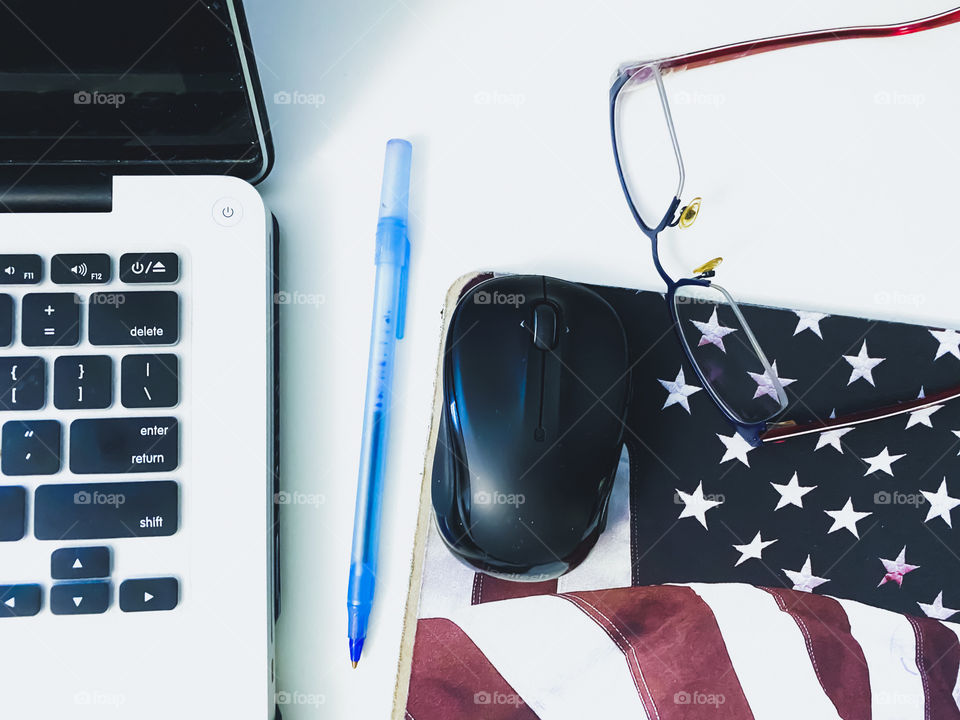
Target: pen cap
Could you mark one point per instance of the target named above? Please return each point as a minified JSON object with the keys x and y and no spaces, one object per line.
{"x":396,"y":180}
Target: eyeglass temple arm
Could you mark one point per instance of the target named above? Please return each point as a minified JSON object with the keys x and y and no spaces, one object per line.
{"x":785,"y":430}
{"x":724,"y":53}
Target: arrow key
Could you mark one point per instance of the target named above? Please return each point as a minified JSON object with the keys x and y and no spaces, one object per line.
{"x":88,"y":598}
{"x":144,"y":595}
{"x":78,"y":563}
{"x":19,"y":600}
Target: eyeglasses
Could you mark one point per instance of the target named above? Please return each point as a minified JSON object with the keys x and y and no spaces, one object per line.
{"x":713,"y":332}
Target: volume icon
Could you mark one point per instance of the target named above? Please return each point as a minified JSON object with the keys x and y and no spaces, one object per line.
{"x":79,"y":270}
{"x":10,"y":270}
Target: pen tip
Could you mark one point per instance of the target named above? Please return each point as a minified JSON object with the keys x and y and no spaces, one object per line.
{"x":354,"y":663}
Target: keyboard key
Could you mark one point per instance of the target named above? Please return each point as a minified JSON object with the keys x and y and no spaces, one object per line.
{"x":149,"y":381}
{"x":86,"y":598}
{"x":80,"y":268}
{"x":19,"y":600}
{"x":79,"y":563}
{"x":6,"y":320}
{"x":83,"y":382}
{"x":50,"y":319}
{"x":20,"y":269}
{"x":30,"y":447}
{"x":23,"y":383}
{"x":157,"y":267}
{"x":135,"y":318}
{"x":124,"y":445}
{"x":91,"y":511}
{"x":13,"y":513}
{"x":149,"y":594}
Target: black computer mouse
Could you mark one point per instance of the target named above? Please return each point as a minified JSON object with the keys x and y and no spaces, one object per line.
{"x":536,"y":384}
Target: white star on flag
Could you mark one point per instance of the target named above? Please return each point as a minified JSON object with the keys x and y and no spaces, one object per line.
{"x":936,"y":609}
{"x":712,"y":332}
{"x":862,"y":365}
{"x":753,"y":549}
{"x":804,"y":579}
{"x":678,"y":391}
{"x":791,"y":493}
{"x":949,"y":343}
{"x":832,"y":438}
{"x":846,"y":518}
{"x":809,"y":321}
{"x":695,"y":505}
{"x":940,"y":504}
{"x":883,"y":461}
{"x":765,"y":384}
{"x":922,"y":416}
{"x":896,"y":569}
{"x":737,"y":448}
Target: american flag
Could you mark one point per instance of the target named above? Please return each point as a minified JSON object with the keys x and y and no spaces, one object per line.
{"x":810,"y":578}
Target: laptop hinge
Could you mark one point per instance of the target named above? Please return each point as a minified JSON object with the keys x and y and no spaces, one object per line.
{"x":46,"y":190}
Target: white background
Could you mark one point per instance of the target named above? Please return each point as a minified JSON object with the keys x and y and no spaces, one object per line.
{"x":506,"y":106}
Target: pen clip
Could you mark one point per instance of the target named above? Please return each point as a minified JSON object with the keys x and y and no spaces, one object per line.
{"x":402,"y":294}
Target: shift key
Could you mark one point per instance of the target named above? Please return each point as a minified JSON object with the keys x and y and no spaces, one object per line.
{"x":135,"y":318}
{"x":124,"y":445}
{"x":91,"y":511}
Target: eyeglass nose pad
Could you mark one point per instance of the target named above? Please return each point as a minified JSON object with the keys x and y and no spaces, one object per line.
{"x":689,"y":214}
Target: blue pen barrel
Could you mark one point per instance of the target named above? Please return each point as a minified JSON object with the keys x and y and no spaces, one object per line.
{"x":392,"y":259}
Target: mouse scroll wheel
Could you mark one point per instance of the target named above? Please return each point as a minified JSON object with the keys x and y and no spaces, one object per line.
{"x":545,"y":327}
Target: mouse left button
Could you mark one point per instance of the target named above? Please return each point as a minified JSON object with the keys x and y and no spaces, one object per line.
{"x":545,"y":326}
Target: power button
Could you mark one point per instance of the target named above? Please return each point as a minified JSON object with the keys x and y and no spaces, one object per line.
{"x":227,"y":212}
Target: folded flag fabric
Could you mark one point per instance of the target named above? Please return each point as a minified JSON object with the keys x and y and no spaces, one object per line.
{"x":810,"y":578}
{"x":719,"y":651}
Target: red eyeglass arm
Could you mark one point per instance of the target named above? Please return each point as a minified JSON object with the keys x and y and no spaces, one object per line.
{"x":786,"y":430}
{"x":755,"y":47}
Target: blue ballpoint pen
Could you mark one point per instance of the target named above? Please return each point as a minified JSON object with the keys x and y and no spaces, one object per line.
{"x":389,"y":306}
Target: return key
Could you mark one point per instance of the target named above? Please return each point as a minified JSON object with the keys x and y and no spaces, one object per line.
{"x":124,"y":445}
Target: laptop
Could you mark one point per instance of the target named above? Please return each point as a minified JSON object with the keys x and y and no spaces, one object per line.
{"x":138,"y":361}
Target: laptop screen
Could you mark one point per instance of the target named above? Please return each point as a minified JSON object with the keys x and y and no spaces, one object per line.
{"x":108,"y":82}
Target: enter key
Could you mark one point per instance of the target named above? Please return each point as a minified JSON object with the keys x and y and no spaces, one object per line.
{"x":124,"y":445}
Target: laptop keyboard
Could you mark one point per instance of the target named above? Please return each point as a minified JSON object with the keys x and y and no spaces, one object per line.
{"x":130,"y":326}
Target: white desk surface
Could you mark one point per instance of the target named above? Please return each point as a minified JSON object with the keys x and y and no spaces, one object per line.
{"x":512,"y":171}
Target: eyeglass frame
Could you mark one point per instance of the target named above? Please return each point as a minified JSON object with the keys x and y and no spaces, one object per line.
{"x":766,"y":431}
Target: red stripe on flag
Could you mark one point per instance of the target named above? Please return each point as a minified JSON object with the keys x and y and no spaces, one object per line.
{"x":837,"y":657}
{"x":490,"y":589}
{"x":674,"y":649}
{"x":451,"y":678}
{"x":938,"y":658}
